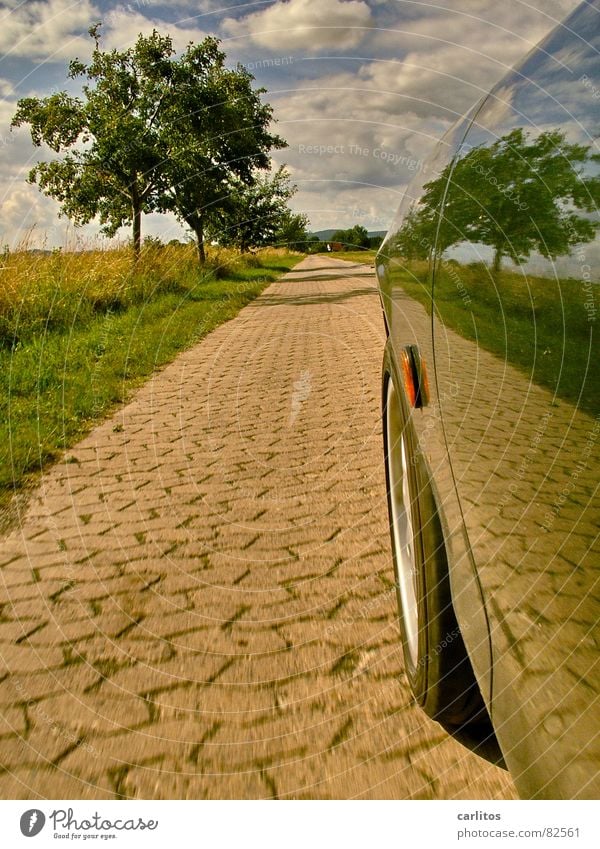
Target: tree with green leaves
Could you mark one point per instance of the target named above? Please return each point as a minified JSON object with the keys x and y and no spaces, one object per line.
{"x":253,"y":213}
{"x":355,"y":237}
{"x":151,"y":132}
{"x":291,"y":232}
{"x":217,"y":138}
{"x":416,"y":237}
{"x":516,"y":195}
{"x":110,"y":138}
{"x":314,"y":245}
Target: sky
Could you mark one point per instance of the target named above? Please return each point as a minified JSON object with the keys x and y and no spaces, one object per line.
{"x":361,"y":89}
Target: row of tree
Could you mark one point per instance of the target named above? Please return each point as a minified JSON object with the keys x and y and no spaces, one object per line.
{"x":356,"y":238}
{"x":155,"y":133}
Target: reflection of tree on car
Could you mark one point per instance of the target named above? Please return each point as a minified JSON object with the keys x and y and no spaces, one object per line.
{"x":516,"y":195}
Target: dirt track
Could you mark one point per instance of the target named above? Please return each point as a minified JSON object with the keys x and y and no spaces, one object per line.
{"x":199,"y":602}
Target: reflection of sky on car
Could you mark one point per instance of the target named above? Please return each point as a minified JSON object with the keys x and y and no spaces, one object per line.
{"x":571,"y":104}
{"x":557,"y":88}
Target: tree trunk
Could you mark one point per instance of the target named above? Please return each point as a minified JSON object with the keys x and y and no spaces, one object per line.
{"x":497,"y":260}
{"x":197,"y":225}
{"x":199,"y":230}
{"x":137,"y":225}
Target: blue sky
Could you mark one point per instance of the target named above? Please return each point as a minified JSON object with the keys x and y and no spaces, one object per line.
{"x":362,"y":89}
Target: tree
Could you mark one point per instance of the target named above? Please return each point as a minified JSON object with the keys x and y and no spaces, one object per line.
{"x":216,"y":138}
{"x":314,"y":245}
{"x":355,"y":237}
{"x":416,"y":237}
{"x":253,"y":213}
{"x":292,"y":231}
{"x":515,"y":195}
{"x":110,"y":138}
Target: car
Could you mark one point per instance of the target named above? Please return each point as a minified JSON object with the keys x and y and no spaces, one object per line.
{"x":489,"y":283}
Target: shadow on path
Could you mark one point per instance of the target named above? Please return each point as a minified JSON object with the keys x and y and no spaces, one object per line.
{"x":303,"y":300}
{"x":321,"y":277}
{"x":347,"y":266}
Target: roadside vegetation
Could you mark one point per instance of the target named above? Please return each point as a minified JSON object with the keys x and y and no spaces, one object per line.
{"x":541,"y":326}
{"x":80,"y":331}
{"x":366,"y":257}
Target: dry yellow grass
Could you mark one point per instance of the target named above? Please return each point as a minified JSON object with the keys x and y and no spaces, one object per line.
{"x":41,"y":292}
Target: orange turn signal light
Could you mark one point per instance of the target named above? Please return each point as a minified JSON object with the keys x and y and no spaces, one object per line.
{"x":414,"y":376}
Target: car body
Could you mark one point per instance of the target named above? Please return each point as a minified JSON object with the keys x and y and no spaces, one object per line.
{"x":489,"y":285}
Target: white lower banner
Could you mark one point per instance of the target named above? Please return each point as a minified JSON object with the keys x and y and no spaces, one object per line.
{"x":296,"y":825}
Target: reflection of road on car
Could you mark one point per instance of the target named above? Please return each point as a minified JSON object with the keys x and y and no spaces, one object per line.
{"x":492,"y":421}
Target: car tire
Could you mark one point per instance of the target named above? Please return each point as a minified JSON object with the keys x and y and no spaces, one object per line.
{"x":436,"y":661}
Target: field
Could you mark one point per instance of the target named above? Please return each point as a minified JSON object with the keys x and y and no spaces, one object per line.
{"x":79,"y":331}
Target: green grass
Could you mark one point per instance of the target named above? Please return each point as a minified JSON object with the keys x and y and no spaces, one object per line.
{"x":59,"y":377}
{"x":365,"y":257}
{"x":539,"y":325}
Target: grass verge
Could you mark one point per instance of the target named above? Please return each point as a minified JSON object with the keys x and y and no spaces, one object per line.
{"x":61,"y":374}
{"x":366,"y":257}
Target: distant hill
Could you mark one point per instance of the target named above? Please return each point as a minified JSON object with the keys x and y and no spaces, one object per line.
{"x":324,"y":235}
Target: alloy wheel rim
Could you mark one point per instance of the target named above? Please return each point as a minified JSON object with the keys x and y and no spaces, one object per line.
{"x":402,"y":526}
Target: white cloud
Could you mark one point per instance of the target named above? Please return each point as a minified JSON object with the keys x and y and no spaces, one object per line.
{"x":372,"y":207}
{"x":123,"y":24}
{"x":353,"y":147}
{"x":6,"y":88}
{"x":306,"y":25}
{"x":384,"y":117}
{"x":514,"y":10}
{"x":196,"y":8}
{"x":47,"y":30}
{"x":56,"y":30}
{"x":25,"y":211}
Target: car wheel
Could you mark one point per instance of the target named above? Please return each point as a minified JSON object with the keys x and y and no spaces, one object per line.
{"x":436,"y":661}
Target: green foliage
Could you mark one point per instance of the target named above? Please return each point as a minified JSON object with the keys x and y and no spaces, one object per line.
{"x":151,"y":133}
{"x":291,"y":232}
{"x":355,"y":238}
{"x":216,"y":137}
{"x":314,"y":245}
{"x":255,"y":214}
{"x":110,"y":140}
{"x":516,"y":195}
